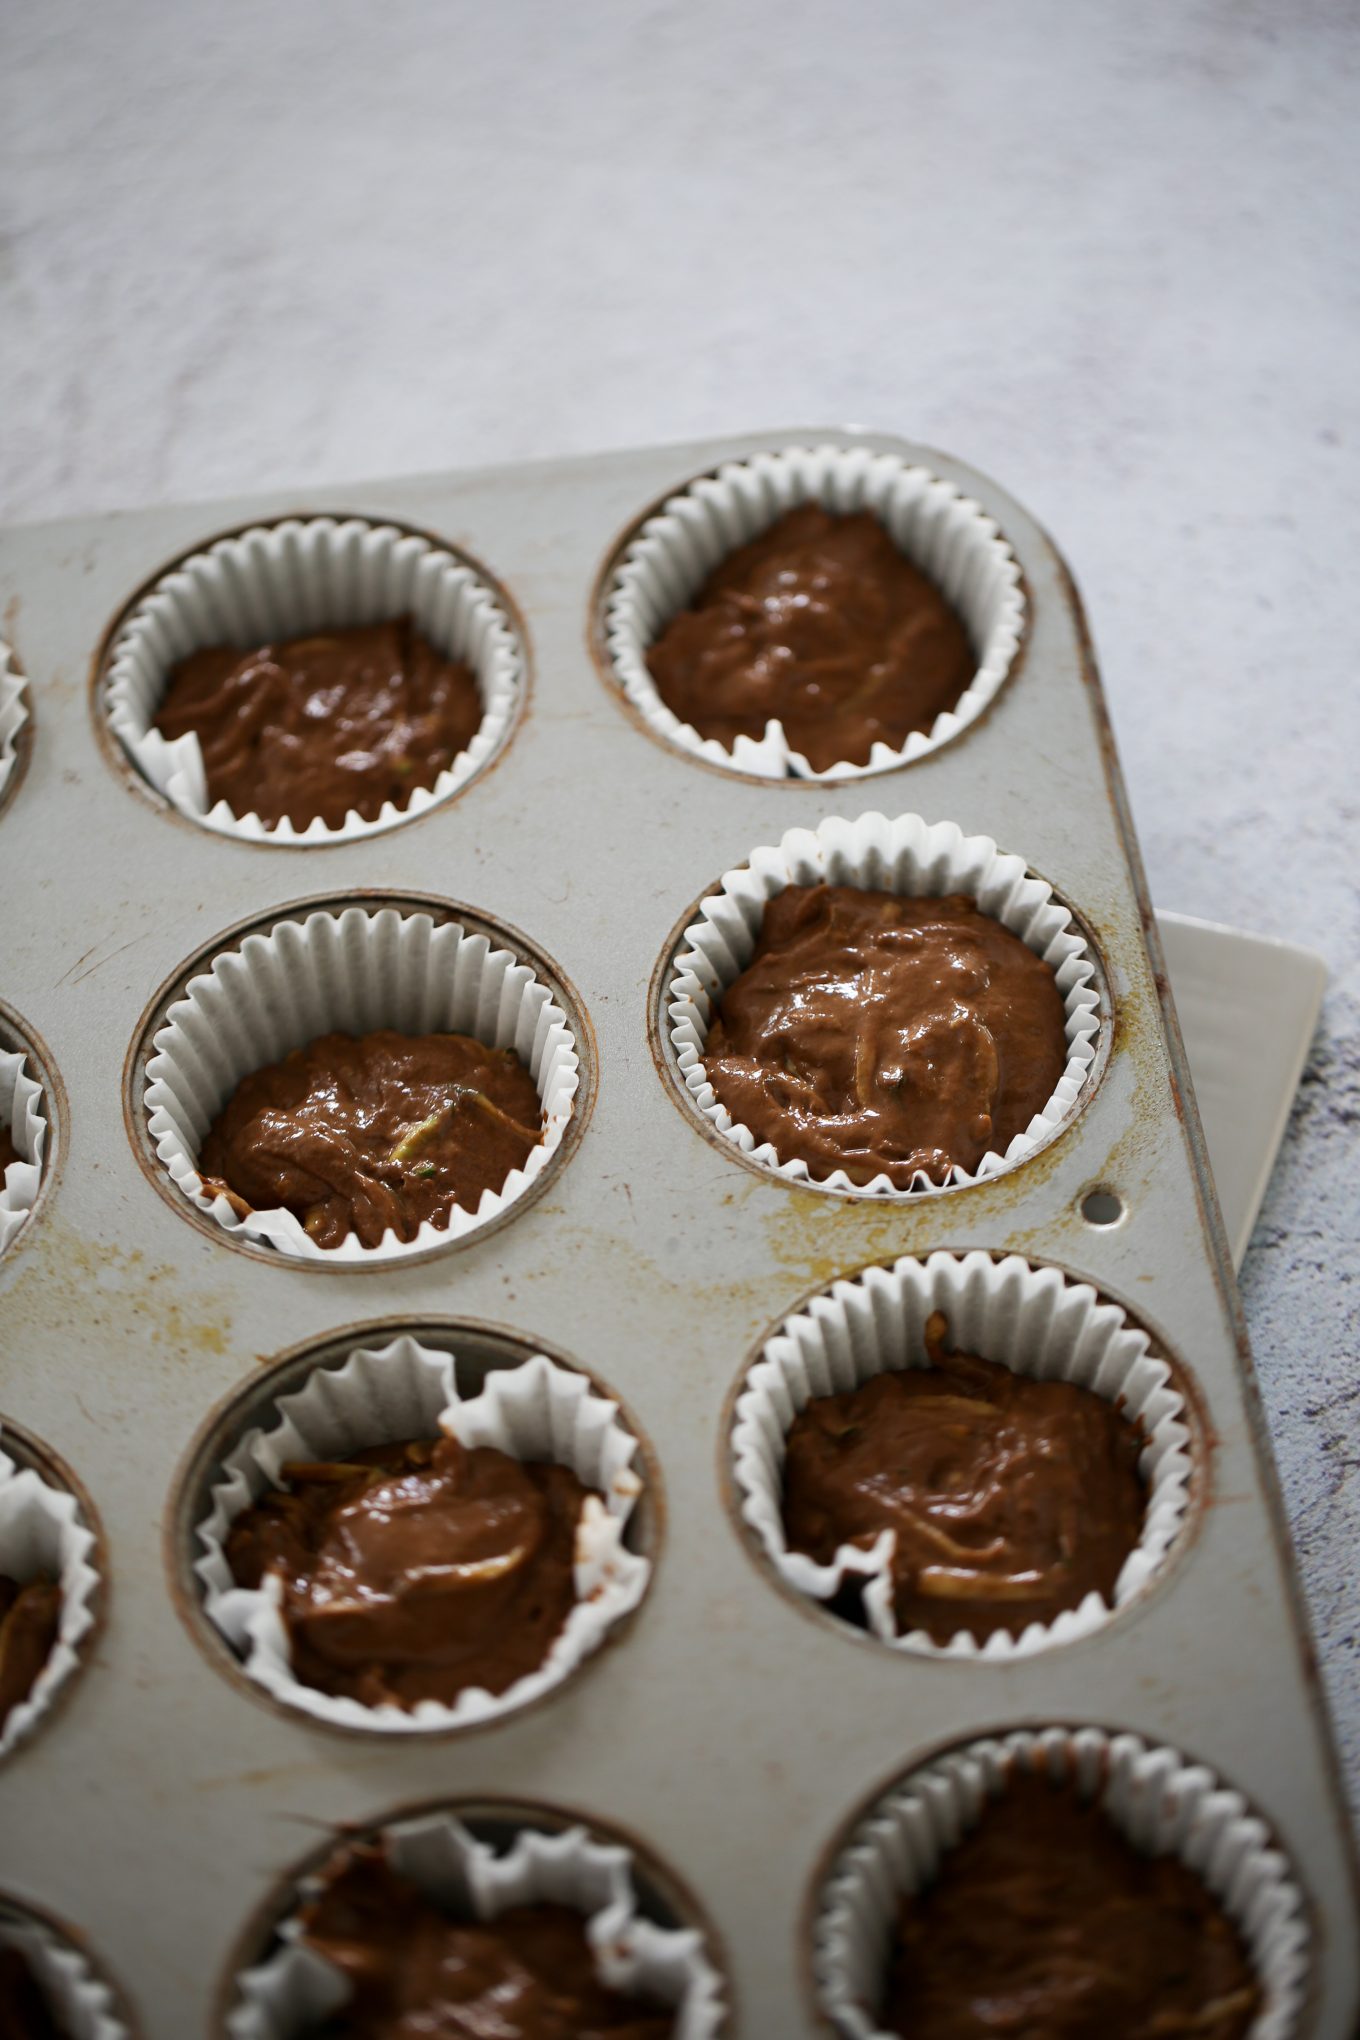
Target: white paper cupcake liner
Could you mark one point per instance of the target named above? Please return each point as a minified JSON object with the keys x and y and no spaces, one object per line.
{"x":285,"y":580}
{"x":943,"y":532}
{"x":904,"y":855}
{"x":13,"y":713}
{"x":41,"y":1531}
{"x":21,"y":1110}
{"x":350,"y":972}
{"x":537,"y":1411}
{"x":1033,"y":1320}
{"x":83,"y":2002}
{"x":1162,"y":1802}
{"x":290,"y":1994}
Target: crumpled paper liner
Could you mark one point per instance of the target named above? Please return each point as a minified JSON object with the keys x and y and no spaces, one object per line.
{"x":290,"y":1994}
{"x":1037,"y":1322}
{"x":537,"y":1411}
{"x":350,"y":972}
{"x":1161,"y":1802}
{"x":943,"y":532}
{"x":903,"y":855}
{"x":83,"y":2002}
{"x":13,"y":712}
{"x":21,"y":1110}
{"x":287,"y":580}
{"x":41,"y":1531}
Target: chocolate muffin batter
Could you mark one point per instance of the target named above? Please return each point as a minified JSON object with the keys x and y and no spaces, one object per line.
{"x":25,"y":2012}
{"x":386,"y":1130}
{"x":1045,"y":1921}
{"x":1010,"y":1499}
{"x":321,"y":725}
{"x":30,"y":1616}
{"x":823,"y":625}
{"x":526,"y":1975}
{"x":8,"y":1152}
{"x":413,"y":1571}
{"x":882,"y":1035}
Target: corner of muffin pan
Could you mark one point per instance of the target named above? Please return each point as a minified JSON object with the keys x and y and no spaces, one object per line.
{"x":661,"y":1028}
{"x":1095,"y":1750}
{"x":817,"y":1302}
{"x":132,"y":772}
{"x":96,"y":1998}
{"x":17,"y":1037}
{"x":663,"y":1896}
{"x":838,"y":478}
{"x":31,"y":1454}
{"x":478,"y":1350}
{"x":443,"y":912}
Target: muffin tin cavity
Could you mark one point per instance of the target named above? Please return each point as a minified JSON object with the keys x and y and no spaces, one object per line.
{"x":74,"y":1985}
{"x":299,"y":578}
{"x":32,"y":1117}
{"x":351,"y":967}
{"x":906,"y":856}
{"x":1036,"y":1321}
{"x":386,"y":1382}
{"x":477,"y":1859}
{"x":1163,"y":1803}
{"x":16,"y":726}
{"x":48,"y":1531}
{"x":667,"y":556}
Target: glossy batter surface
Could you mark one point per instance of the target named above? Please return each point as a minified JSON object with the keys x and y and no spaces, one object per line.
{"x":30,"y":1616}
{"x":526,"y":1975}
{"x":883,"y":1035}
{"x":415,"y":1570}
{"x":823,"y":625}
{"x":317,"y":726}
{"x":8,"y":1152}
{"x":383,"y":1130}
{"x":1010,"y":1499}
{"x":1046,"y":1924}
{"x":25,"y":2013}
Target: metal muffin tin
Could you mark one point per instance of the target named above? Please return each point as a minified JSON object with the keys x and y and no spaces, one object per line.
{"x":732,"y":1730}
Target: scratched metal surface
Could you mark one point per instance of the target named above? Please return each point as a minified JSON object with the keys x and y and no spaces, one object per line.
{"x":730,"y":1728}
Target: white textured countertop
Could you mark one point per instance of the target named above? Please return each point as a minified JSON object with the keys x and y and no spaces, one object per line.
{"x":1109,"y":255}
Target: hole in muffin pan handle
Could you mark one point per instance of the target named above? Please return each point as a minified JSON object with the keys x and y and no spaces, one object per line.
{"x":1103,"y":1208}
